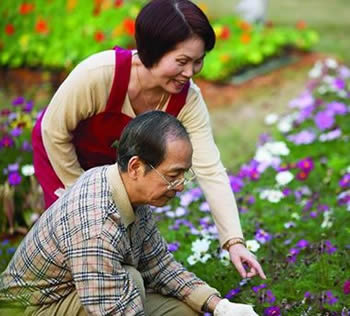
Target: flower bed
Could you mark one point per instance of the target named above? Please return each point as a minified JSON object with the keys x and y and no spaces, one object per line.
{"x":293,"y":197}
{"x":294,"y":201}
{"x":60,"y":33}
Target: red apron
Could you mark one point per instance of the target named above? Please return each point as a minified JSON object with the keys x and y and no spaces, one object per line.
{"x":93,"y":138}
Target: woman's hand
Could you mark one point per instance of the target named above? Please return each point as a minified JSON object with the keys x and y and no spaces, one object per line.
{"x":240,"y":255}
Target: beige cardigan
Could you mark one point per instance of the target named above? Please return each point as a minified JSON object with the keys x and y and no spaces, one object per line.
{"x":85,"y":92}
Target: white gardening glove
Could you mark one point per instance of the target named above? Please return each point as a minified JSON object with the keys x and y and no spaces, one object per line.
{"x":225,"y":308}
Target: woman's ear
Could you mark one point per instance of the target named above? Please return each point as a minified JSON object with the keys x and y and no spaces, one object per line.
{"x":136,"y":167}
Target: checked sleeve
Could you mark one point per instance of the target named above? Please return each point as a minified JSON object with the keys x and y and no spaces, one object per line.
{"x":165,"y":275}
{"x":103,"y":285}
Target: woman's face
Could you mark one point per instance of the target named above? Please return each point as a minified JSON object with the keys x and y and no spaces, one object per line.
{"x":179,"y":65}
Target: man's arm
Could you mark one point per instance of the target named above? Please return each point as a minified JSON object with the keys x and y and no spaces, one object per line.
{"x":104,"y":287}
{"x":164,"y":274}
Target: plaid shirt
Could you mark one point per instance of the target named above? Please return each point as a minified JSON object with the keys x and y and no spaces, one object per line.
{"x":82,"y":242}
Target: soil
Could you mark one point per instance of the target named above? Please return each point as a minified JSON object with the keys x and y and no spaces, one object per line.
{"x":221,"y":95}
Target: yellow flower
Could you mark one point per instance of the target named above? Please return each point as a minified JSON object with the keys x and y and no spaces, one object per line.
{"x":118,"y":30}
{"x":23,"y":41}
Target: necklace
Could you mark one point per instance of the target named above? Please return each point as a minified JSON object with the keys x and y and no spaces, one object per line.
{"x":161,"y":101}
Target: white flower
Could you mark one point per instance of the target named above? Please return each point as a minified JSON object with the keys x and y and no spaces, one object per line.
{"x":316,"y":71}
{"x":200,"y":245}
{"x":327,"y":222}
{"x":322,"y":89}
{"x":348,"y":169}
{"x":277,"y":148}
{"x":295,"y":216}
{"x":271,"y":119}
{"x":205,"y":258}
{"x":284,"y":177}
{"x":342,"y":94}
{"x":27,"y":170}
{"x":180,"y":211}
{"x":170,"y":214}
{"x":252,"y":245}
{"x":193,"y":259}
{"x":331,"y":63}
{"x":273,"y":196}
{"x":285,"y":126}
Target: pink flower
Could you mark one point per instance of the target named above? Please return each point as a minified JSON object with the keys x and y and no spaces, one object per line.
{"x":346,"y":287}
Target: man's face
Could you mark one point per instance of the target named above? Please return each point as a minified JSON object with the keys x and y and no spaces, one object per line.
{"x":178,"y":159}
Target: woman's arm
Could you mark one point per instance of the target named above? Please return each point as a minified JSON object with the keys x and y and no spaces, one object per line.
{"x":210,"y":172}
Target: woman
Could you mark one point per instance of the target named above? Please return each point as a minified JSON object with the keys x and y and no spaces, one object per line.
{"x":102,"y":94}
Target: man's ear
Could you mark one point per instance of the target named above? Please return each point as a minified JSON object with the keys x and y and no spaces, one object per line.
{"x":136,"y":167}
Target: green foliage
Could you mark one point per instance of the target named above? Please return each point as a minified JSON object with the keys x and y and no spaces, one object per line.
{"x":61,"y":33}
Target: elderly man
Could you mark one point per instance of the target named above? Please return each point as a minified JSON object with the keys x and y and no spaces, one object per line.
{"x":97,"y":248}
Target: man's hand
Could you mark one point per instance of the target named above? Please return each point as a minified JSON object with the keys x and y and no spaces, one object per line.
{"x":241,"y":255}
{"x":225,"y":308}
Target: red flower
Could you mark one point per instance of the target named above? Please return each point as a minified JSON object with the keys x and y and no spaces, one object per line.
{"x":301,"y":25}
{"x":346,"y":287}
{"x":302,"y":175}
{"x":245,"y":38}
{"x":9,"y":29}
{"x":245,"y":26}
{"x":118,"y":3}
{"x":41,"y":27}
{"x":129,"y":26}
{"x":26,"y":8}
{"x":225,"y":33}
{"x":99,"y":36}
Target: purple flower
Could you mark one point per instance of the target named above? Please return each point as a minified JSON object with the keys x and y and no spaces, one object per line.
{"x":14,"y":178}
{"x":262,"y":236}
{"x":257,"y":288}
{"x":26,"y":146}
{"x":304,"y":100}
{"x":16,"y":132}
{"x":329,"y":247}
{"x":331,"y":135}
{"x":236,"y":183}
{"x":302,"y":244}
{"x":232,"y":293}
{"x":330,"y":298}
{"x":18,"y":101}
{"x":172,"y":247}
{"x":305,"y":114}
{"x":346,"y":287}
{"x":204,"y":207}
{"x":302,"y":138}
{"x":324,"y":120}
{"x":338,"y":84}
{"x":272,"y":311}
{"x":306,"y":164}
{"x":6,"y":141}
{"x":336,"y":108}
{"x":13,"y":167}
{"x":344,"y":72}
{"x":270,"y":298}
{"x":28,"y":107}
{"x":323,"y":207}
{"x":286,"y":191}
{"x":345,"y":181}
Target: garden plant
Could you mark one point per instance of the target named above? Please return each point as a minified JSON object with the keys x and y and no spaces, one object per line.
{"x":293,"y":197}
{"x":32,"y":35}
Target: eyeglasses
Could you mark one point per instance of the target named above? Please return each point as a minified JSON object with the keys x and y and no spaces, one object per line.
{"x":189,"y":176}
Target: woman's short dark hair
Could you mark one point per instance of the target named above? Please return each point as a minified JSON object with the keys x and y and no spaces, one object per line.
{"x":162,"y":24}
{"x":146,"y":136}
